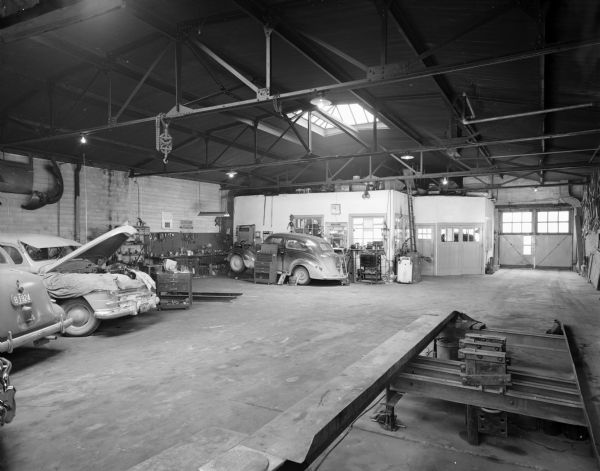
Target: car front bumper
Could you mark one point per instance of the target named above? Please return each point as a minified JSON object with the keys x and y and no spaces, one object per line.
{"x":129,"y":307}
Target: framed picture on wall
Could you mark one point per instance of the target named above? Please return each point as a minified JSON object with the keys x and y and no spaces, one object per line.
{"x":336,"y":209}
{"x":167,"y":220}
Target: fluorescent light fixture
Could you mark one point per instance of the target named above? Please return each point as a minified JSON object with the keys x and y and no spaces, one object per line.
{"x":231,"y":173}
{"x":407,"y":157}
{"x":320,"y":101}
{"x":83,"y":139}
{"x":223,"y":214}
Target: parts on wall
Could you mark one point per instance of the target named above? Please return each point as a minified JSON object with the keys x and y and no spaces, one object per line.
{"x":53,"y":195}
{"x":591,"y":204}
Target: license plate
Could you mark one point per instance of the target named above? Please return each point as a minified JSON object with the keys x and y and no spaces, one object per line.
{"x":20,"y":299}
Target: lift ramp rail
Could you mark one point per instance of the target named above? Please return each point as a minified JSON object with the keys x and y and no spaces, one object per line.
{"x":544,"y":384}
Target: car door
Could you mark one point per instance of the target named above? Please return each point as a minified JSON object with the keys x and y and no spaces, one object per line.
{"x":294,"y":250}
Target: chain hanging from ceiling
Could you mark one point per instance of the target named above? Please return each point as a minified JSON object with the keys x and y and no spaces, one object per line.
{"x":164,"y":141}
{"x":591,"y":204}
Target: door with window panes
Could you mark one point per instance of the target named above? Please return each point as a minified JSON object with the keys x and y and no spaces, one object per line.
{"x":516,"y":238}
{"x":537,"y":238}
{"x":459,"y":249}
{"x":426,"y":248}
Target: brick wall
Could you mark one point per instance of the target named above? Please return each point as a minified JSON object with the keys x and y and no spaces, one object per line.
{"x":107,"y":199}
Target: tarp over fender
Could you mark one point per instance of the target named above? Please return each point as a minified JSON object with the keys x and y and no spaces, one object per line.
{"x":72,"y":285}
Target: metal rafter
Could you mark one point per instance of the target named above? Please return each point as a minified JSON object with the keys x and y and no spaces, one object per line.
{"x":68,"y":89}
{"x":421,"y":149}
{"x":363,"y":83}
{"x":558,"y":168}
{"x":259,"y":12}
{"x":413,"y":40}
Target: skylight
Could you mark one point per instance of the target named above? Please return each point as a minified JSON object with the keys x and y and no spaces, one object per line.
{"x":350,"y":114}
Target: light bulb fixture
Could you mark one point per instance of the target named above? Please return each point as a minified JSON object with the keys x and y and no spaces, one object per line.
{"x":231,"y":173}
{"x":320,"y":101}
{"x":444,"y":181}
{"x":407,"y":157}
{"x":535,"y":188}
{"x":83,"y":139}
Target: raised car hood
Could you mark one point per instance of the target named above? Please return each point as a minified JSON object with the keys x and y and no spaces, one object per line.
{"x":101,"y":247}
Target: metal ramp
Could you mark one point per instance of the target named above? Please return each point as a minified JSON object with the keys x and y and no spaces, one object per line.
{"x":540,"y":380}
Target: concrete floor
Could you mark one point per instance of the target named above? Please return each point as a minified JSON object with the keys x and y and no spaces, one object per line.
{"x":172,"y":389}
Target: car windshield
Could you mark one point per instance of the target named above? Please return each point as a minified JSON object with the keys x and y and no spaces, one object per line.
{"x":38,"y":254}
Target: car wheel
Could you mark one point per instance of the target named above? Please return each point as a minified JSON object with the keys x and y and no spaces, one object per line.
{"x":236,"y":264}
{"x":84,"y":321}
{"x":301,"y":275}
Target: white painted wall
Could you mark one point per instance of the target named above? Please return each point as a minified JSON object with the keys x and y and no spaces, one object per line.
{"x":272,"y":213}
{"x":450,"y":209}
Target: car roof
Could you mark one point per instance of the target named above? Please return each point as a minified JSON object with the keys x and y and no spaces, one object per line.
{"x":39,"y":241}
{"x":298,"y":236}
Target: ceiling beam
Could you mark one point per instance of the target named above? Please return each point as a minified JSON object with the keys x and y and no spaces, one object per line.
{"x":259,"y":12}
{"x":141,"y":115}
{"x":396,"y":151}
{"x":452,"y":174}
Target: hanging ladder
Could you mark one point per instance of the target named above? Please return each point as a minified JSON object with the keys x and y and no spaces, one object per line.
{"x":411,"y":218}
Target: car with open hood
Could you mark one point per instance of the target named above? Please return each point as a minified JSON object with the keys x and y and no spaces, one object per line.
{"x":77,"y":276}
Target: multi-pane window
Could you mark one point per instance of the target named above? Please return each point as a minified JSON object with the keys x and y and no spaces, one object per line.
{"x":553,"y":222}
{"x":471,"y":234}
{"x":455,"y":234}
{"x":527,"y":242}
{"x":517,"y":222}
{"x":424,"y":233}
{"x":312,"y":225}
{"x":367,"y":230}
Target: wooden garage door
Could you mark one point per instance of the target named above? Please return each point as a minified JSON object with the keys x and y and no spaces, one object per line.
{"x":545,"y":239}
{"x":459,"y":249}
{"x":536,"y":250}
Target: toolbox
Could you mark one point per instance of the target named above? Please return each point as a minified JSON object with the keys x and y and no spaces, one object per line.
{"x":174,"y":290}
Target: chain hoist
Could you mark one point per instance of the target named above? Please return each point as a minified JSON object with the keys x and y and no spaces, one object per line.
{"x":164,"y":141}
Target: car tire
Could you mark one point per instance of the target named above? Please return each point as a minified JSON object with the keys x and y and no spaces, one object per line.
{"x":84,"y":321}
{"x":301,"y":275}
{"x":236,"y":264}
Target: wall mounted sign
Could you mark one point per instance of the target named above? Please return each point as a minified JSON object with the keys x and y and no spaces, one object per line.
{"x":336,"y":209}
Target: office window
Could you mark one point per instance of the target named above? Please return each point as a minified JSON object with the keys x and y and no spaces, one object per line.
{"x":471,"y":234}
{"x":517,"y":222}
{"x":450,"y":234}
{"x":367,"y":230}
{"x":424,"y":233}
{"x":553,"y":222}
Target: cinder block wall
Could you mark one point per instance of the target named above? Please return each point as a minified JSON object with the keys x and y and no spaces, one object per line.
{"x":109,"y":198}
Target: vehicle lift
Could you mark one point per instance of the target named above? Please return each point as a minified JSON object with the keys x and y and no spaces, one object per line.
{"x":497,"y":372}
